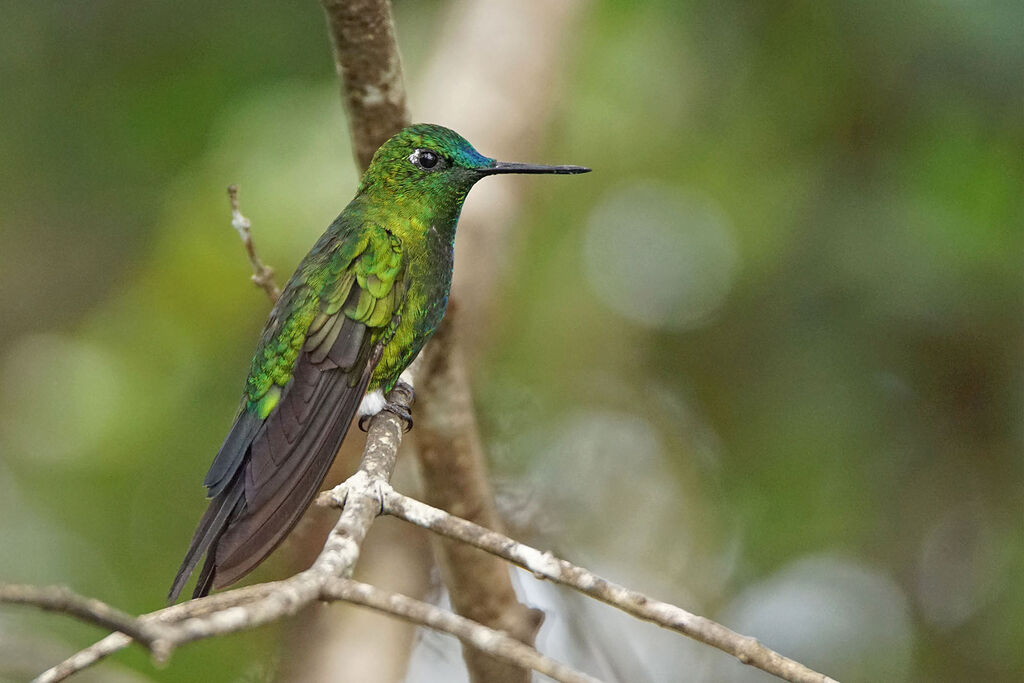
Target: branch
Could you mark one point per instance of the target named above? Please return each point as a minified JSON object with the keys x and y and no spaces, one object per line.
{"x":115,"y":642}
{"x":370,"y":70}
{"x":363,"y":496}
{"x":278,"y":599}
{"x":84,"y":658}
{"x":369,"y":66}
{"x":512,"y":100}
{"x":262,"y":274}
{"x":496,"y":643}
{"x":453,"y":468}
{"x":254,"y":605}
{"x":361,"y":499}
{"x":341,"y":551}
{"x":544,"y":565}
{"x":362,"y":502}
{"x":61,"y":599}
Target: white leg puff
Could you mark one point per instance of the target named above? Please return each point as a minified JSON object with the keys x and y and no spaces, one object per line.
{"x":372,"y":403}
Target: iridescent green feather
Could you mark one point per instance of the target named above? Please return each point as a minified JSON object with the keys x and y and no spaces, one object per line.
{"x":371,"y":261}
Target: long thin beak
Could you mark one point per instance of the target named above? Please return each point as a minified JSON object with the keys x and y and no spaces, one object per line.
{"x":512,"y":167}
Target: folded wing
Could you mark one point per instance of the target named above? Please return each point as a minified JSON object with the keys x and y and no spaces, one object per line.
{"x":287,"y":433}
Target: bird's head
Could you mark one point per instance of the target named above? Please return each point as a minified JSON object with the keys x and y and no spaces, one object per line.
{"x":436,"y":163}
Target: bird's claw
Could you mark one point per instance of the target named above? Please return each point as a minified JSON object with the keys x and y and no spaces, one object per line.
{"x":403,"y":412}
{"x":398,"y":409}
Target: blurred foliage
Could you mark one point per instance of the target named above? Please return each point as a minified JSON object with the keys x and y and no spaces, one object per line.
{"x":812,"y":404}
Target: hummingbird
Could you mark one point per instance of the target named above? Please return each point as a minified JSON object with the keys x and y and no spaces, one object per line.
{"x":353,"y":316}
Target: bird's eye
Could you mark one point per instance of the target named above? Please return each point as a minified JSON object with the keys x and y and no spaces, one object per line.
{"x":426,"y":159}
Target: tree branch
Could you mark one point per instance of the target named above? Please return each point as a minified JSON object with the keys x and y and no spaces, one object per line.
{"x":360,"y":498}
{"x":115,"y":642}
{"x":452,"y":460}
{"x":497,"y":644}
{"x":282,"y":598}
{"x":544,"y":565}
{"x":258,"y":604}
{"x":453,"y":468}
{"x":370,"y":70}
{"x":61,"y":599}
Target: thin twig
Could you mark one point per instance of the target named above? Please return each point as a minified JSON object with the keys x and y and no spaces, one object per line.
{"x":91,"y":610}
{"x":362,"y":497}
{"x":262,"y":274}
{"x":544,"y":565}
{"x":115,"y":642}
{"x":496,"y":643}
{"x":84,"y":658}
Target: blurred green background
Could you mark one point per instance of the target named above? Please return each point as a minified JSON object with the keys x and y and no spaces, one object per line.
{"x":781,"y":322}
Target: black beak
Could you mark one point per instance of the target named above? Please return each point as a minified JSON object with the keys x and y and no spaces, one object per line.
{"x":512,"y":167}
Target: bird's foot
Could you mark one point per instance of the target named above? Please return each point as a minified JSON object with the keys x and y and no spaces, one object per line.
{"x":399,"y":408}
{"x":402,"y":407}
{"x":403,"y":412}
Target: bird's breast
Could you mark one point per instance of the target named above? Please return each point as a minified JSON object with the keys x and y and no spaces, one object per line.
{"x":431,"y":278}
{"x":428,"y":283}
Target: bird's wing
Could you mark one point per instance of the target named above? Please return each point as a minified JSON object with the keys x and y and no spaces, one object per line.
{"x":313,"y":363}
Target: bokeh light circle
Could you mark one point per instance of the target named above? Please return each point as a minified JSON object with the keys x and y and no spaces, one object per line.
{"x":659,"y":256}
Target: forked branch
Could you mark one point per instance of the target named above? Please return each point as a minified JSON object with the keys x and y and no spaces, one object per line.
{"x":360,"y":498}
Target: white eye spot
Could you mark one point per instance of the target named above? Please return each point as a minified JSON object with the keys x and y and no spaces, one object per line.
{"x":426,"y":159}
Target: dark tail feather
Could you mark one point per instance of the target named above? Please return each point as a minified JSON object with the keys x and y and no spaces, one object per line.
{"x":205,"y":581}
{"x":267,"y":519}
{"x":215,"y":520}
{"x":232,"y":452}
{"x":268,"y":471}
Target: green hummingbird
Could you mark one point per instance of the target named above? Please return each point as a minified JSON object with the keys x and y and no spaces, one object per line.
{"x":351,"y":319}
